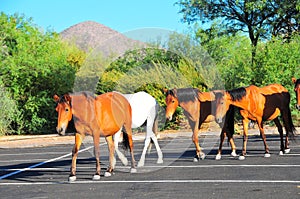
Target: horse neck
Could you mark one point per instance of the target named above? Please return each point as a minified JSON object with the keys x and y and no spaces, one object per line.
{"x":83,"y":109}
{"x":242,"y":103}
{"x":186,"y":95}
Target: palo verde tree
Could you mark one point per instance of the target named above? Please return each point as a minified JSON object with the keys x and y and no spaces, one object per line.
{"x":261,"y":19}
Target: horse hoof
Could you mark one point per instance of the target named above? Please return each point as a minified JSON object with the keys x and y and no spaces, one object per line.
{"x":125,"y":162}
{"x":195,"y":160}
{"x":159,"y":161}
{"x":267,"y":155}
{"x":107,"y":174}
{"x":287,"y":150}
{"x":218,"y":157}
{"x":133,"y":170}
{"x":140,"y":164}
{"x":280,"y":153}
{"x":96,"y":177}
{"x":72,"y":178}
{"x":202,"y":156}
{"x":242,"y":157}
{"x":233,"y":154}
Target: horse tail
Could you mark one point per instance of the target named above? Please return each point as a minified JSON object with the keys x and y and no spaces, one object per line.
{"x":229,"y":121}
{"x":125,"y":141}
{"x":288,"y":123}
{"x":287,"y":119}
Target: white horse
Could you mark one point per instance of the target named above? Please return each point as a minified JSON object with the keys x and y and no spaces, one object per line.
{"x":144,"y":109}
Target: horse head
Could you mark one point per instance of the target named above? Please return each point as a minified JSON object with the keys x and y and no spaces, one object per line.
{"x":297,"y":90}
{"x":64,"y":110}
{"x":171,"y":103}
{"x":222,"y":105}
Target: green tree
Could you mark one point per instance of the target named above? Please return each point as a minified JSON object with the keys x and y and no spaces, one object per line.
{"x":260,"y":19}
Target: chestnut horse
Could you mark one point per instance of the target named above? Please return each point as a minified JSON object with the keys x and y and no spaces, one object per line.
{"x":259,"y":104}
{"x":103,"y":115}
{"x":297,"y":90}
{"x":198,"y":107}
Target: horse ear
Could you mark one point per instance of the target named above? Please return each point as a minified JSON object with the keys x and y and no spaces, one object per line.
{"x":164,"y":90}
{"x":294,"y":80}
{"x":56,"y":98}
{"x":67,"y":98}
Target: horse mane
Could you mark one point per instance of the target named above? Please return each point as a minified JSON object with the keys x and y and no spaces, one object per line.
{"x":237,"y":94}
{"x":297,"y":82}
{"x":186,"y":94}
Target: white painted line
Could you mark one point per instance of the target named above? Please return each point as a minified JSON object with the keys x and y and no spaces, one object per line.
{"x":41,"y":163}
{"x":152,"y":181}
{"x":167,"y":166}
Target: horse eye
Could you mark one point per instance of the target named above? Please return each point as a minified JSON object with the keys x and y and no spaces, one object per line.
{"x":173,"y":101}
{"x":67,"y":110}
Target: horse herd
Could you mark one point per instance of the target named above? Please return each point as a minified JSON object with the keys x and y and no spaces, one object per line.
{"x":112,"y":113}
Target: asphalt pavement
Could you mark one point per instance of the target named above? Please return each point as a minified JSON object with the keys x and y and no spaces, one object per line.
{"x":42,"y":172}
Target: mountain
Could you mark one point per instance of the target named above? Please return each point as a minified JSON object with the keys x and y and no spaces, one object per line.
{"x":91,"y":36}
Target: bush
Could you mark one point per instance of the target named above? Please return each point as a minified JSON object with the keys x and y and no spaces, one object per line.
{"x":8,"y":111}
{"x":35,"y":66}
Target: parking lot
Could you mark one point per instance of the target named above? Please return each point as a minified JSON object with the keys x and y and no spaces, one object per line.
{"x":42,"y":172}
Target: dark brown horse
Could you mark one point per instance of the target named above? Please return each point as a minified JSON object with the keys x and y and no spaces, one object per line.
{"x":103,"y":115}
{"x":259,"y":104}
{"x":297,"y":90}
{"x":198,"y":107}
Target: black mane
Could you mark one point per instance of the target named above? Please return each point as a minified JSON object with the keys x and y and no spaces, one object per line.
{"x":297,"y":82}
{"x":186,"y":94}
{"x":237,"y":94}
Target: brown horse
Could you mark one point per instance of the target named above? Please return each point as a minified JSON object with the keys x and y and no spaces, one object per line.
{"x":259,"y":104}
{"x":103,"y":115}
{"x":198,"y":107}
{"x":297,"y":90}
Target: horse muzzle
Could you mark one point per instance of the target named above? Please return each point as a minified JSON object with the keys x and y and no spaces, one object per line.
{"x":219,"y":120}
{"x":169,"y":117}
{"x":61,"y":130}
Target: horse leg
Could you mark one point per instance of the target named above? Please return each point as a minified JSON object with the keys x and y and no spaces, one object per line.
{"x":159,"y":152}
{"x":112,"y":160}
{"x":233,"y":147}
{"x":245,"y":138}
{"x":129,"y":134}
{"x":119,"y":153}
{"x":78,"y":142}
{"x":222,"y":138}
{"x":142,"y":159}
{"x":287,"y":124}
{"x":280,"y":130}
{"x":263,"y":136}
{"x":96,"y":139}
{"x":199,"y":154}
{"x":150,"y":135}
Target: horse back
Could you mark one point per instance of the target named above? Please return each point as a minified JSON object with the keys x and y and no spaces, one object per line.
{"x":273,"y":100}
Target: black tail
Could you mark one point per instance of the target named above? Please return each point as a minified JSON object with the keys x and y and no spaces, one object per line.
{"x":287,"y":119}
{"x":229,"y":121}
{"x":288,"y":123}
{"x":125,"y":139}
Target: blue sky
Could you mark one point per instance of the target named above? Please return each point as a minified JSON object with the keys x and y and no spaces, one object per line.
{"x":120,"y":15}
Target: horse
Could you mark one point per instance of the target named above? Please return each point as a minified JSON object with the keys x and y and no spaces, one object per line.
{"x":198,"y":107}
{"x":144,"y":109}
{"x":297,"y":90}
{"x":102,"y":115}
{"x":259,"y":104}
